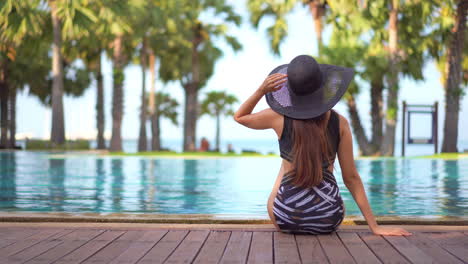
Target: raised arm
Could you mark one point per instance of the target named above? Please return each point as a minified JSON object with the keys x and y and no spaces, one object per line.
{"x":265,"y":118}
{"x":353,"y":182}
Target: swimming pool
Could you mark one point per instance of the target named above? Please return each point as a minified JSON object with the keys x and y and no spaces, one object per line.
{"x":42,"y":182}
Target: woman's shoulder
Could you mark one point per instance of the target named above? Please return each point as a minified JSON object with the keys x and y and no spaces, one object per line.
{"x":343,"y":122}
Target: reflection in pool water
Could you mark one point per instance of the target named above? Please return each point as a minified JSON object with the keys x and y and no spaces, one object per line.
{"x":37,"y":181}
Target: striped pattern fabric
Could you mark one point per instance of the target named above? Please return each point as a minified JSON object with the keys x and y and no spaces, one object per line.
{"x":316,"y":210}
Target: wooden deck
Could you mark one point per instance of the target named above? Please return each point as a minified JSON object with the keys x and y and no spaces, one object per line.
{"x":127,"y":243}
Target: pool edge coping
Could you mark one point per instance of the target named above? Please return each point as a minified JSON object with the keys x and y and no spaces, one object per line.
{"x":210,"y":219}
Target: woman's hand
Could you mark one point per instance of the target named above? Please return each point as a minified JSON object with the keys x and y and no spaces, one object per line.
{"x":273,"y":83}
{"x":390,"y":231}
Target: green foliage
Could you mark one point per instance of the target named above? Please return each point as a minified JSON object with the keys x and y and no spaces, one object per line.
{"x":277,"y":10}
{"x":440,"y":35}
{"x":218,"y":103}
{"x":196,"y":36}
{"x":191,"y":154}
{"x":37,"y":144}
{"x":360,"y":38}
{"x":19,"y":19}
{"x":165,"y":106}
{"x":76,"y":17}
{"x":392,"y":112}
{"x":118,"y":75}
{"x":37,"y":76}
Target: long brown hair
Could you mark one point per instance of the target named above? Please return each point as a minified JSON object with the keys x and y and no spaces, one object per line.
{"x":310,"y":147}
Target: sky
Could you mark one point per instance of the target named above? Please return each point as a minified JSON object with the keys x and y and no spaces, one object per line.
{"x":239,"y":74}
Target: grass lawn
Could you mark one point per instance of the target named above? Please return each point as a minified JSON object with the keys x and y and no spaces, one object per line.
{"x":446,"y":156}
{"x":190,"y":154}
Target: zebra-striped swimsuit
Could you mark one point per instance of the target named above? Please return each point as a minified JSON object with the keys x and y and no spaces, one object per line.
{"x":316,"y":210}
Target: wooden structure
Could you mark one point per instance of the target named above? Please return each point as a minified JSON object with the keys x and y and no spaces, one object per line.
{"x":408,"y":110}
{"x":84,"y":243}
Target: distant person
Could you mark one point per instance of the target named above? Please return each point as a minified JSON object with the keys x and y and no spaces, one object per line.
{"x":204,"y":145}
{"x":305,"y":198}
{"x":229,"y":148}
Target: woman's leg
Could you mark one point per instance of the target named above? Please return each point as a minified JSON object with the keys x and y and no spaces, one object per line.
{"x":272,"y":197}
{"x":271,"y":200}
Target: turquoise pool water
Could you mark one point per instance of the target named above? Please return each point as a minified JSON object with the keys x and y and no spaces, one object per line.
{"x":41,"y":182}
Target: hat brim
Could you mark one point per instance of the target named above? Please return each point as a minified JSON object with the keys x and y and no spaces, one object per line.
{"x":336,"y":80}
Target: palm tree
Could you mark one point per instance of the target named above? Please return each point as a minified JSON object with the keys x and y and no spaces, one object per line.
{"x":164,"y":106}
{"x":142,"y":139}
{"x":165,"y":19}
{"x":375,"y":61}
{"x":454,"y":77}
{"x":277,"y":32}
{"x":118,"y":27}
{"x":90,"y":49}
{"x":197,"y":44}
{"x":155,"y":25}
{"x":68,"y":19}
{"x":110,"y":16}
{"x":388,"y":144}
{"x":217,"y":104}
{"x":18,"y":20}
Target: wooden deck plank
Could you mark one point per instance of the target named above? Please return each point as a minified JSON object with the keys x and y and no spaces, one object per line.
{"x":164,"y":247}
{"x":116,"y":247}
{"x":32,"y":251}
{"x":410,"y":251}
{"x":189,"y":248}
{"x":90,"y":247}
{"x":382,"y":248}
{"x":29,"y":241}
{"x":454,"y":242}
{"x":334,"y":249}
{"x":6,"y":242}
{"x":77,"y":245}
{"x":358,"y":249}
{"x":17,"y":234}
{"x":261,"y":248}
{"x":432,"y":249}
{"x":9,"y":235}
{"x":285,"y":248}
{"x":213,"y":249}
{"x":310,"y":250}
{"x":68,"y":243}
{"x":138,"y":249}
{"x":237,"y":248}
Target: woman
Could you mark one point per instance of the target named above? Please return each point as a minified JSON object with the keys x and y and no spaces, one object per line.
{"x":305,"y":197}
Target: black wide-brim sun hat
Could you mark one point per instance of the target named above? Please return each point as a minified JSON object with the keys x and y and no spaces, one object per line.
{"x":311,"y":89}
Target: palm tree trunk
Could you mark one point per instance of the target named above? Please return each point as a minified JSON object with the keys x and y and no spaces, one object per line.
{"x":12,"y":118}
{"x":100,"y":119}
{"x":117,"y":96}
{"x":318,"y":11}
{"x":4,"y":113}
{"x":142,"y":140}
{"x":218,"y":128}
{"x":155,"y":140}
{"x":58,"y":123}
{"x":365,"y":147}
{"x":376,"y":110}
{"x":191,"y":98}
{"x":388,"y":144}
{"x":190,"y":114}
{"x":155,"y":128}
{"x":453,"y":89}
